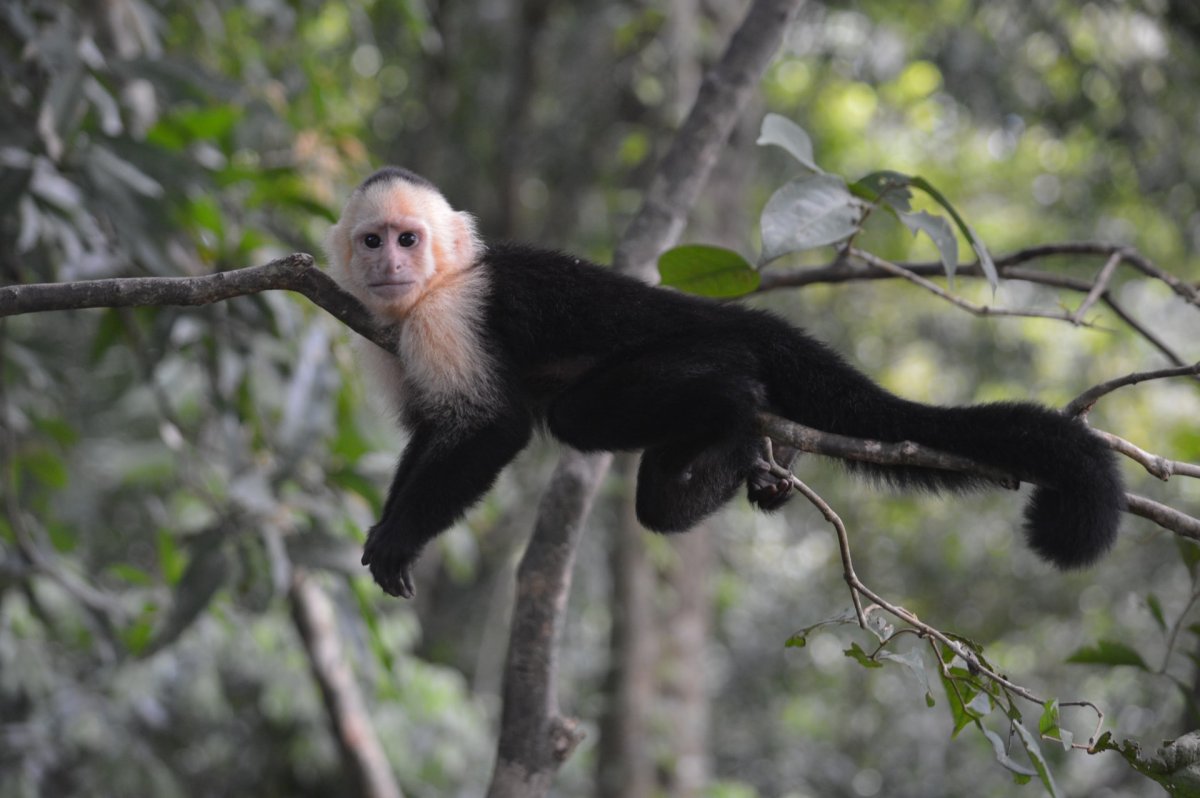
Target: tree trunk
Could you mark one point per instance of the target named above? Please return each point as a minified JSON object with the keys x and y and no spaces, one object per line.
{"x":624,"y":765}
{"x":685,"y":627}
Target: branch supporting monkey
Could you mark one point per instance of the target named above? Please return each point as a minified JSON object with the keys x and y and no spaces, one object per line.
{"x":497,"y":340}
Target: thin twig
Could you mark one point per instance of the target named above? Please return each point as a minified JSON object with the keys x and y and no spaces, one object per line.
{"x":841,"y":270}
{"x":959,"y":302}
{"x":1081,"y":404}
{"x":1157,"y":465}
{"x":1189,"y":293}
{"x":830,"y":516}
{"x":1101,"y":285}
{"x":857,"y":588}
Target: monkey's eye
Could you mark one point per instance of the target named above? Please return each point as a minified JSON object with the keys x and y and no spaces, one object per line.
{"x":407,"y":239}
{"x":372,"y":241}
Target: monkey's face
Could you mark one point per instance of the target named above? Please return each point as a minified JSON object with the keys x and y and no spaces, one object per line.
{"x":395,"y":241}
{"x":392,"y":258}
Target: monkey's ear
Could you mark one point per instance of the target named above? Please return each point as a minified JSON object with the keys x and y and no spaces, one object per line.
{"x":337,"y":248}
{"x":467,"y":246}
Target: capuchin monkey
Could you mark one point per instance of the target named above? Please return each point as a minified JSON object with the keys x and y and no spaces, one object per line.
{"x":497,"y":340}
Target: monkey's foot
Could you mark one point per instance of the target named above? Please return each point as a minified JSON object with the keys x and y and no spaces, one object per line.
{"x":391,"y":566}
{"x":766,"y":489}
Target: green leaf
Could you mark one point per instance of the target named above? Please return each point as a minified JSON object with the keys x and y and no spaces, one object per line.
{"x":796,"y":641}
{"x":207,"y":572}
{"x":203,"y":212}
{"x":208,"y":122}
{"x":349,"y":444}
{"x":62,"y":537}
{"x":807,"y":213}
{"x":855,"y":652}
{"x":985,"y":259}
{"x":958,"y":710}
{"x":131,"y":574}
{"x":138,"y":634}
{"x":1189,"y":552}
{"x":1048,"y":724}
{"x":783,"y":132}
{"x":915,"y":664}
{"x":1000,"y":750}
{"x":1108,"y":652}
{"x":57,"y":429}
{"x":355,"y":482}
{"x":1034,"y":751}
{"x":170,"y":559}
{"x":887,"y":188}
{"x":45,"y":467}
{"x":980,"y":706}
{"x":109,"y":331}
{"x":1156,"y":611}
{"x":707,"y":271}
{"x":365,"y":596}
{"x":939,"y":231}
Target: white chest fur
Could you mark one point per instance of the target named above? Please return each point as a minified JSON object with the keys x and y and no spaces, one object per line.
{"x":444,"y":363}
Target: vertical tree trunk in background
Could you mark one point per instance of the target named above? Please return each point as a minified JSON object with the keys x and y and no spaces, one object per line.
{"x":530,"y":22}
{"x":684,"y":624}
{"x":534,"y":739}
{"x":624,"y":760}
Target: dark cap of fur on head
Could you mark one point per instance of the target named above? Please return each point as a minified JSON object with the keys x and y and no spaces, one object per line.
{"x":390,"y":174}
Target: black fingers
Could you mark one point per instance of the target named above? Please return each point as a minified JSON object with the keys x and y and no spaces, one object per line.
{"x":391,"y":565}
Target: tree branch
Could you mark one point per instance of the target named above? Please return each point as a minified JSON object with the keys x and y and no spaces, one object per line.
{"x":1081,"y":404}
{"x":294,"y":272}
{"x":907,"y":453}
{"x":362,"y":753}
{"x":853,"y":269}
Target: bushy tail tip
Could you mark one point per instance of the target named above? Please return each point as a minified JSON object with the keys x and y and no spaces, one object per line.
{"x":1075,"y":525}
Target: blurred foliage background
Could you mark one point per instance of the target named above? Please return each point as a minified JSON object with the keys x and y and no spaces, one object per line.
{"x":165,"y":470}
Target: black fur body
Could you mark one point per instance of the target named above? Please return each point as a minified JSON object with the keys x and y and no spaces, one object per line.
{"x":604,"y":362}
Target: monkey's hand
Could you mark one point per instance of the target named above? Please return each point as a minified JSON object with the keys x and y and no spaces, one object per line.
{"x":391,"y":563}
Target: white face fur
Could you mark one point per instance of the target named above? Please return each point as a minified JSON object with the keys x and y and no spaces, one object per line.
{"x":396,"y":241}
{"x":407,"y":256}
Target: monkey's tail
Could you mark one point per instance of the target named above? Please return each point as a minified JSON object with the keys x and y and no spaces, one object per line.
{"x":1074,"y":511}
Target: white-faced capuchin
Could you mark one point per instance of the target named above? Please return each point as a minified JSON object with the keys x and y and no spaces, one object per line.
{"x":499,"y":339}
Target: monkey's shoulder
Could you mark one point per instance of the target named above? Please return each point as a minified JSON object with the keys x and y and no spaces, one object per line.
{"x":534,"y":270}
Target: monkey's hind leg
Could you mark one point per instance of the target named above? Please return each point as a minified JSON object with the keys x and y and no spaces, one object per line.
{"x":681,"y":484}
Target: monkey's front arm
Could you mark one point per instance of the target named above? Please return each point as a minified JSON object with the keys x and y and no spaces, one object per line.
{"x":443,"y":472}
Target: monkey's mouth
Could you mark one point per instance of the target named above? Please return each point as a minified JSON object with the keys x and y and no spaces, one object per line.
{"x":391,"y":288}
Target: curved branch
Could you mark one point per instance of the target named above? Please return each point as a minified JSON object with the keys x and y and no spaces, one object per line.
{"x":1156,"y":465}
{"x":1166,"y":517}
{"x":295,"y":272}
